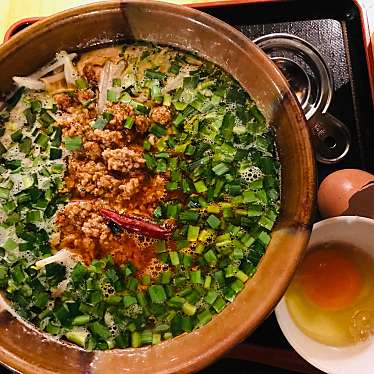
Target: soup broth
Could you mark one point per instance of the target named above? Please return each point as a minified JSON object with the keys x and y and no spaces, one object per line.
{"x":139,"y":187}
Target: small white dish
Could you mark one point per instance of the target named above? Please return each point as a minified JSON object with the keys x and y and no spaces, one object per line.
{"x":355,"y":359}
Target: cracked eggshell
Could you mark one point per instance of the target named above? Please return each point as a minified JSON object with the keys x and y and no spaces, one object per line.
{"x":342,"y":193}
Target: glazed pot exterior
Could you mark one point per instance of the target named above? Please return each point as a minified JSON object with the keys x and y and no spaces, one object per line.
{"x":26,"y":349}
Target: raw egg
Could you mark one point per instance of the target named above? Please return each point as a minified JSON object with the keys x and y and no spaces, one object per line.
{"x":331,"y":297}
{"x":324,"y":274}
{"x":347,"y":192}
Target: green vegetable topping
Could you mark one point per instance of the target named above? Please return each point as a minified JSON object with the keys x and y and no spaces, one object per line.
{"x":73,"y":143}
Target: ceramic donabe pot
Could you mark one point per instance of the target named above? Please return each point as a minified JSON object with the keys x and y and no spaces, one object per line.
{"x":23,"y":347}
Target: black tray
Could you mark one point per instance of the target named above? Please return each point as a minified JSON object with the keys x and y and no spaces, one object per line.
{"x":336,"y":31}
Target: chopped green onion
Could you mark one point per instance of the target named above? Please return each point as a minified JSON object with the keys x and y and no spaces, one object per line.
{"x":266,"y":222}
{"x":167,"y":100}
{"x":136,"y":340}
{"x":158,"y":130}
{"x":165,"y":277}
{"x":227,"y":125}
{"x":161,"y":166}
{"x":219,"y":304}
{"x":176,"y":302}
{"x":237,"y":285}
{"x":211,"y":297}
{"x":264,"y":237}
{"x":200,"y":186}
{"x":189,"y":216}
{"x":221,"y":169}
{"x":33,"y":216}
{"x":229,"y":294}
{"x":150,"y":161}
{"x":171,"y":186}
{"x":45,"y":118}
{"x":193,"y":233}
{"x":10,"y":245}
{"x":78,"y":337}
{"x":73,"y":143}
{"x":195,"y":277}
{"x":157,"y":294}
{"x":174,"y":68}
{"x":204,"y":317}
{"x":81,"y":320}
{"x":210,"y":257}
{"x":100,"y":123}
{"x":55,"y":153}
{"x":2,"y":149}
{"x":56,"y":140}
{"x":241,"y":276}
{"x":174,"y":258}
{"x":213,"y":222}
{"x":219,"y":278}
{"x":129,"y":300}
{"x":36,"y":106}
{"x":25,"y":145}
{"x":147,"y":145}
{"x":42,"y":140}
{"x":100,"y":330}
{"x":4,"y":193}
{"x":81,"y":84}
{"x":146,"y":279}
{"x":146,"y":337}
{"x":129,"y":123}
{"x":152,"y":74}
{"x":189,"y":309}
{"x":16,"y":136}
{"x":111,"y":96}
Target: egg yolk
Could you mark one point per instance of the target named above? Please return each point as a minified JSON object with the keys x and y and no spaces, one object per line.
{"x":330,"y":279}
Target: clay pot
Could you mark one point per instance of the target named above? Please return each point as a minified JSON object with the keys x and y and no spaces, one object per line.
{"x":26,"y":349}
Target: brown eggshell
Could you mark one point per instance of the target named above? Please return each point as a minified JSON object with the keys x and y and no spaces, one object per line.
{"x":337,"y":189}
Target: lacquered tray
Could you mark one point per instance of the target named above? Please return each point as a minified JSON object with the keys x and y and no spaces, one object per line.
{"x":341,"y":34}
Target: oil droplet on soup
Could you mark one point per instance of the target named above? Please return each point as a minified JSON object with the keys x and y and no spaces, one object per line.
{"x":331,"y":297}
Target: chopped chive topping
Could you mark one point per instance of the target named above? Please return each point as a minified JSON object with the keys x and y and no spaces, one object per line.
{"x":221,"y":169}
{"x":193,"y":233}
{"x":157,"y":294}
{"x":55,"y":153}
{"x":45,"y":118}
{"x":112,"y":96}
{"x":129,"y":123}
{"x":100,"y":123}
{"x":73,"y":143}
{"x":42,"y":140}
{"x":17,"y":136}
{"x":25,"y":145}
{"x":217,"y":220}
{"x":213,"y":221}
{"x":81,"y":84}
{"x":152,"y":74}
{"x":200,"y":186}
{"x":158,"y":130}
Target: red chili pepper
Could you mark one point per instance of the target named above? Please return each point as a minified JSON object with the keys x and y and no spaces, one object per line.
{"x":136,"y":224}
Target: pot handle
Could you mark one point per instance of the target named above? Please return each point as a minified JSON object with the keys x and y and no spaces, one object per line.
{"x":20,"y":25}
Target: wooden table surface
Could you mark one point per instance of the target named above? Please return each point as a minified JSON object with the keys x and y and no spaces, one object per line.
{"x":14,"y":10}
